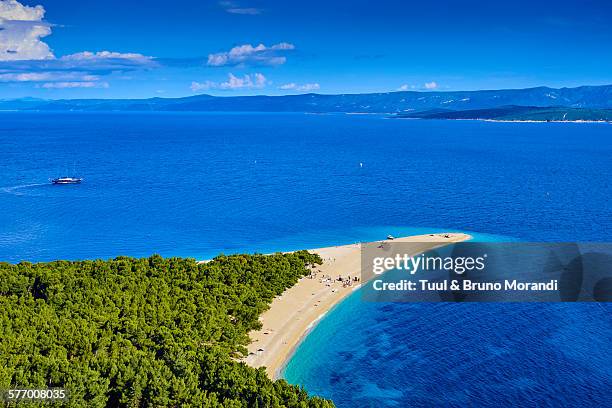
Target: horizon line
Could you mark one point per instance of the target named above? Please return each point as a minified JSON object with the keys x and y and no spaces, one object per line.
{"x":310,"y":93}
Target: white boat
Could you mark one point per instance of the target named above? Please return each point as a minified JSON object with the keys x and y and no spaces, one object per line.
{"x":67,"y":180}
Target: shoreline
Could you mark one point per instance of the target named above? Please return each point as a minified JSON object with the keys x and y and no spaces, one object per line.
{"x":300,"y":308}
{"x":510,"y":120}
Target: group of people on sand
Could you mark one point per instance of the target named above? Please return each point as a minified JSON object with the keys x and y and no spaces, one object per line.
{"x":314,"y":273}
{"x":349,"y":281}
{"x":327,"y":280}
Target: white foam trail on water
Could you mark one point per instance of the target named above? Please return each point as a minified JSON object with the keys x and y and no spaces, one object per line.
{"x":15,"y":189}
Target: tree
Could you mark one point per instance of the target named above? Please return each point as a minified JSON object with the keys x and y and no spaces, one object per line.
{"x":145,"y":332}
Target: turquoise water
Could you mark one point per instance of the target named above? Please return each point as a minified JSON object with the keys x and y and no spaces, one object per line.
{"x":455,"y":355}
{"x":183,"y":184}
{"x":366,"y":354}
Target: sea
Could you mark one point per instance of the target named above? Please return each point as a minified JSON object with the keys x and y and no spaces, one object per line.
{"x":200,"y":184}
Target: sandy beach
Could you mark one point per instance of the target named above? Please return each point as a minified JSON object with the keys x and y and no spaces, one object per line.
{"x":293,"y":314}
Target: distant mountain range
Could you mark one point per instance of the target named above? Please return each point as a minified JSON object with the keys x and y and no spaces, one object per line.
{"x":581,"y":99}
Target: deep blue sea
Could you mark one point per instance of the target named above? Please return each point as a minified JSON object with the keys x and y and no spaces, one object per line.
{"x":196,"y":185}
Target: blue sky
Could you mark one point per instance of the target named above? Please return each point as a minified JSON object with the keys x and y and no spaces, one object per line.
{"x":120,"y":49}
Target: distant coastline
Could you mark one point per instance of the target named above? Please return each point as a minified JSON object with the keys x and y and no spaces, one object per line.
{"x":515,"y":120}
{"x":389,"y":115}
{"x":539,"y":121}
{"x":539,"y":103}
{"x":515,"y":113}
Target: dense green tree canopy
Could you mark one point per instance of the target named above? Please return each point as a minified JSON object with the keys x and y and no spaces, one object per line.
{"x":145,"y":332}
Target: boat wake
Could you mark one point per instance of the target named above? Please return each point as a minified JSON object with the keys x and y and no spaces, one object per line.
{"x":23,"y":189}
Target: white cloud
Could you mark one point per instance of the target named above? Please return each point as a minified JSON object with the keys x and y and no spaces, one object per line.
{"x":202,"y":86}
{"x":55,"y":79}
{"x":13,"y":10}
{"x":291,"y":85}
{"x":25,"y":77}
{"x":283,"y":46}
{"x":105,"y":55}
{"x":248,"y":10}
{"x":24,"y":57}
{"x":21,"y":30}
{"x":301,"y":88}
{"x":428,"y":86}
{"x":47,"y":76}
{"x":234,"y":8}
{"x":247,"y":54}
{"x":86,"y":84}
{"x":257,"y":81}
{"x":248,"y":81}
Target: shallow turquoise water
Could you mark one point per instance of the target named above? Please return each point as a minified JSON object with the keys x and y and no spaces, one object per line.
{"x":367,"y":354}
{"x":487,"y":355}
